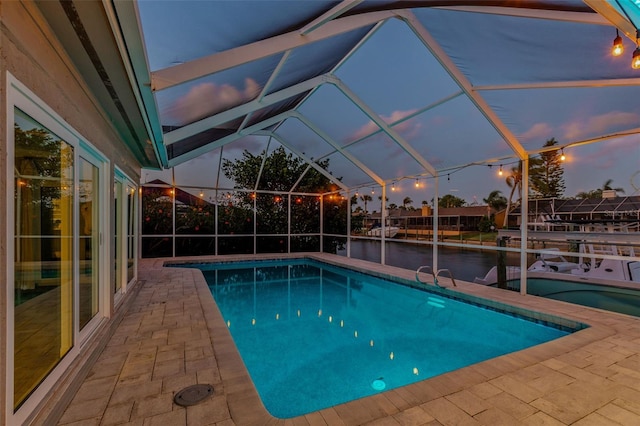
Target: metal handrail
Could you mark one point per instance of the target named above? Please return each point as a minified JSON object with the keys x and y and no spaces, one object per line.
{"x":437,"y":274}
{"x":430,"y":271}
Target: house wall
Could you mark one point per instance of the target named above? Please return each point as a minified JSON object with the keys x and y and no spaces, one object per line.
{"x":32,"y":54}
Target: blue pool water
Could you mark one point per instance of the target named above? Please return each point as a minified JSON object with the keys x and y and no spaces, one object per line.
{"x":314,"y":335}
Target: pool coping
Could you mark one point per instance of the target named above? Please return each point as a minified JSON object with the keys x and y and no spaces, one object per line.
{"x":245,"y":405}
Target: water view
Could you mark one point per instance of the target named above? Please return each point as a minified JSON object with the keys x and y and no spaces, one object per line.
{"x":465,"y":264}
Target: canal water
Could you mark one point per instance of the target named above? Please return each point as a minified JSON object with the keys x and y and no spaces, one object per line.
{"x":465,"y":264}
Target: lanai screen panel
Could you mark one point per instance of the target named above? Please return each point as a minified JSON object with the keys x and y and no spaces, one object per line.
{"x":385,"y":157}
{"x":502,"y":50}
{"x":395,"y":74}
{"x":295,"y":132}
{"x":334,"y":114}
{"x":568,"y":114}
{"x":456,"y":134}
{"x":316,"y":58}
{"x":349,"y":173}
{"x":206,"y":96}
{"x":178,"y":31}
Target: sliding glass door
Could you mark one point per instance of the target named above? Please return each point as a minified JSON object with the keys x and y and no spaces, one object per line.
{"x":124,"y":269}
{"x":43,"y":248}
{"x":88,"y":239}
{"x":56,"y":279}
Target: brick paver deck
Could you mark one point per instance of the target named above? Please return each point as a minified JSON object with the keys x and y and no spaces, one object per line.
{"x":173,"y":336}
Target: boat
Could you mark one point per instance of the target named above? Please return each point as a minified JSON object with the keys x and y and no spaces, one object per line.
{"x":390,"y":231}
{"x":605,"y":252}
{"x":549,"y":261}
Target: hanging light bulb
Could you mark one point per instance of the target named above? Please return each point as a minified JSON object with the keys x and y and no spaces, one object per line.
{"x":500,"y":171}
{"x":635,"y":59}
{"x":562,"y":157}
{"x":372,"y":191}
{"x":417,"y":183}
{"x":393,"y":186}
{"x":618,"y":47}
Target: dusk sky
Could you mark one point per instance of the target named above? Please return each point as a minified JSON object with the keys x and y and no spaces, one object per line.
{"x":396,"y":76}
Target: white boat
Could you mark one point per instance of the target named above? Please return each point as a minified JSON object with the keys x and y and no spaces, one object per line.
{"x":606,"y":252}
{"x":590,"y":267}
{"x":549,"y":261}
{"x":390,"y":232}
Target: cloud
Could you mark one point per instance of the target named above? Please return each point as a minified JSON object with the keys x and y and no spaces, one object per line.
{"x":206,"y":99}
{"x":599,"y":125}
{"x":539,"y":131}
{"x":607,"y":155}
{"x":407,"y":129}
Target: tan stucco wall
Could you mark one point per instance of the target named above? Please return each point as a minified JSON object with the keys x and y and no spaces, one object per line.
{"x":30,"y":52}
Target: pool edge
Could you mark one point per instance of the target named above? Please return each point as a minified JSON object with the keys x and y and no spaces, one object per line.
{"x":246,"y":407}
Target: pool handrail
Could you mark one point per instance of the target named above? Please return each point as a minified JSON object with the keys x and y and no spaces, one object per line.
{"x":435,"y":275}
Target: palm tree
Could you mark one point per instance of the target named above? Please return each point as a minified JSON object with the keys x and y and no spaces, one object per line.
{"x":597,"y":193}
{"x":365,"y":199}
{"x":496,"y":200}
{"x":407,"y":201}
{"x":514,"y":181}
{"x":606,"y":186}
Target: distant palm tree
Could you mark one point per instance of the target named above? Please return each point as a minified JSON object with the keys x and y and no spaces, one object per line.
{"x":365,"y":199}
{"x":597,"y":193}
{"x":606,"y":186}
{"x":393,"y":206}
{"x":496,"y":200}
{"x":425,"y":203}
{"x":514,"y":181}
{"x":407,"y":201}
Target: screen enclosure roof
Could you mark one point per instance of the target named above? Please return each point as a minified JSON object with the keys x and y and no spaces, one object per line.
{"x":385,"y":90}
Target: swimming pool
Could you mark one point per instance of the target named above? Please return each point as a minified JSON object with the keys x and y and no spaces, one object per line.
{"x":313,"y":335}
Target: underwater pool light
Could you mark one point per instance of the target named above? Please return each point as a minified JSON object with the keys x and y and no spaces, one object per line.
{"x":378,"y":384}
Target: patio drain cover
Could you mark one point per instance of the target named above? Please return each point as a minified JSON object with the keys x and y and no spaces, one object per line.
{"x":192,"y":395}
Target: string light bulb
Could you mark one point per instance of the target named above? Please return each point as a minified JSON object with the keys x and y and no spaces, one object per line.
{"x":393,"y":186}
{"x":417,"y":183}
{"x":500,"y":170}
{"x":562,"y":156}
{"x":618,"y":47}
{"x":635,"y":59}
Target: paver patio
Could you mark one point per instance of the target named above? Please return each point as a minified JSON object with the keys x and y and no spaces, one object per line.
{"x":173,"y":336}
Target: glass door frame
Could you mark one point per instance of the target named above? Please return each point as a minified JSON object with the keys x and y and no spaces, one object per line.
{"x":93,"y":157}
{"x":20,"y":97}
{"x":122,"y":238}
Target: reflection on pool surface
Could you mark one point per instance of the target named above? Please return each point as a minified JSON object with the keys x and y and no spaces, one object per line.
{"x":314,"y":335}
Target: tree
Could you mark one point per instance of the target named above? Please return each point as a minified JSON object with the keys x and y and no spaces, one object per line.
{"x":365,"y":199}
{"x":514,"y":181}
{"x":496,"y":200}
{"x":282,"y":172}
{"x":546,"y":173}
{"x":393,"y":206}
{"x":451,"y":201}
{"x":406,"y":202}
{"x":597,"y":193}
